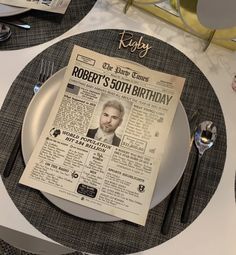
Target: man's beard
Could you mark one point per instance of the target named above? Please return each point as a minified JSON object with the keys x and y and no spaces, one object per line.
{"x":107,"y":128}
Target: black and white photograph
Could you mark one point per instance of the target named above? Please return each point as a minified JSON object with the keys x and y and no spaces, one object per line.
{"x":109,"y":120}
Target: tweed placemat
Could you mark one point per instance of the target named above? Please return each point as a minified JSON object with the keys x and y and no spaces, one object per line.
{"x":7,"y":249}
{"x":120,"y":237}
{"x":46,"y":26}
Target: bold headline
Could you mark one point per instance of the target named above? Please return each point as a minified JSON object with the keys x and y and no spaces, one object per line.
{"x":86,"y":142}
{"x":121,"y":86}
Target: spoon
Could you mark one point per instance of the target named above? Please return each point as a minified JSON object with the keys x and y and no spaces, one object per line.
{"x":5,"y":32}
{"x":204,"y":138}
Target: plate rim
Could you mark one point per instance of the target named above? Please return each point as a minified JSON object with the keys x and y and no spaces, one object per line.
{"x":9,"y":14}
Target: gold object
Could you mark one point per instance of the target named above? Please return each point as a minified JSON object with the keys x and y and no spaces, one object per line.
{"x":189,"y":22}
{"x":147,"y":1}
{"x":128,"y":4}
{"x":188,"y":13}
{"x":229,"y":33}
{"x":209,"y":40}
{"x":187,"y":10}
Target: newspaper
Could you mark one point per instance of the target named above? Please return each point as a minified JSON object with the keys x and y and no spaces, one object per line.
{"x":58,"y":6}
{"x":117,"y":175}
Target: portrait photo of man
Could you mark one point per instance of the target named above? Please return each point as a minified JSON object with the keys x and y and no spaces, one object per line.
{"x":110,"y":119}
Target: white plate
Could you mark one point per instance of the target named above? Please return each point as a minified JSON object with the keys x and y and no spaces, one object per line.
{"x":7,"y":10}
{"x":172,"y":166}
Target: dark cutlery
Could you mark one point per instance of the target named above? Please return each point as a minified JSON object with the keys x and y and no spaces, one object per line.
{"x":12,"y":158}
{"x":204,"y":138}
{"x":46,"y":71}
{"x":175,"y":193}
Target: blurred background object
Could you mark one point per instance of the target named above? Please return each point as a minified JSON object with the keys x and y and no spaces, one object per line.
{"x":213,"y":21}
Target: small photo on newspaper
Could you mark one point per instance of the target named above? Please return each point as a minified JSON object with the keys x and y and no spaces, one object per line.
{"x":57,"y":6}
{"x":102,"y":144}
{"x":109,"y":119}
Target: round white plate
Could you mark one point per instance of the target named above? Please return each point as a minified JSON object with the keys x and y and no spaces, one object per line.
{"x":7,"y":10}
{"x":171,"y":169}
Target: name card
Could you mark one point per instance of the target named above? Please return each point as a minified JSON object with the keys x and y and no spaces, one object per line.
{"x":127,"y":41}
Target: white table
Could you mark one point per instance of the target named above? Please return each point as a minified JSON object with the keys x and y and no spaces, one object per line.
{"x":214,"y":231}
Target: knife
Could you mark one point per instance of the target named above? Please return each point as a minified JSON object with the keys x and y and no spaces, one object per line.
{"x":175,"y":193}
{"x":13,"y":155}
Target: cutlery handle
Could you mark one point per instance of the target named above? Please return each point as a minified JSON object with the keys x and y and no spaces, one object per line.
{"x":12,"y":158}
{"x":175,"y":193}
{"x":190,"y":192}
{"x":16,"y":23}
{"x":170,"y":208}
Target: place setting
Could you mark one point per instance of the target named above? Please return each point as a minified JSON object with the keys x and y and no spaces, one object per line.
{"x":190,"y":169}
{"x":26,"y":27}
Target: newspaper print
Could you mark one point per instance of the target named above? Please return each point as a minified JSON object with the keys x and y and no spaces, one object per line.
{"x":134,"y":106}
{"x":58,"y":6}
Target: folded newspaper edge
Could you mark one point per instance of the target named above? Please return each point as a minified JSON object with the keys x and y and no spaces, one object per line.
{"x":102,"y":144}
{"x":57,"y":6}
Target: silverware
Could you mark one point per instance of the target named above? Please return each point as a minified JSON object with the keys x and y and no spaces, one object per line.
{"x":5,"y":32}
{"x":175,"y":192}
{"x":46,"y":70}
{"x":16,"y":23}
{"x":204,"y":138}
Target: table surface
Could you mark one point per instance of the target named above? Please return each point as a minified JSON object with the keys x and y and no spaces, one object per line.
{"x":45,"y":26}
{"x":219,"y":66}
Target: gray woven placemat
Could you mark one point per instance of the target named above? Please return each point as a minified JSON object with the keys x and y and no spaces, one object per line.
{"x":46,"y":25}
{"x":7,"y":249}
{"x":115,"y":237}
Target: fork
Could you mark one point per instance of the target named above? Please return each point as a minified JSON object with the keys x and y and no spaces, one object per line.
{"x":46,"y":70}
